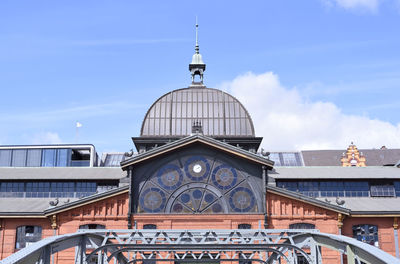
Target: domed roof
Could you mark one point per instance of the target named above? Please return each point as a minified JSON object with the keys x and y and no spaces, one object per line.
{"x":220,"y":114}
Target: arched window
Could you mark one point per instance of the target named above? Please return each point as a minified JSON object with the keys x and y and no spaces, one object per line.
{"x":300,"y":258}
{"x":366,"y":233}
{"x":149,"y":226}
{"x":149,"y":260}
{"x":244,"y":226}
{"x":92,"y":226}
{"x":197,"y":184}
{"x":27,"y":235}
{"x":301,"y":226}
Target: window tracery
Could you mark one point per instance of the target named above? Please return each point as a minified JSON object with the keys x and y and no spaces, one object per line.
{"x":197,"y":184}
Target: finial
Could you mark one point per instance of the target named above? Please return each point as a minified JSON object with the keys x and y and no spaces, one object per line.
{"x":197,"y":66}
{"x":197,"y":37}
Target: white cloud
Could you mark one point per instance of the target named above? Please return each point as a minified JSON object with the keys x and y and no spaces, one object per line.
{"x":288,"y":121}
{"x":46,"y":138}
{"x":369,"y":5}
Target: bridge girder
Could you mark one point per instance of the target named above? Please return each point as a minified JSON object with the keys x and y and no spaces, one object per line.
{"x":262,"y":245}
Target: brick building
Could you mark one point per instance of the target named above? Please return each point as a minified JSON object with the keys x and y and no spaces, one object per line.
{"x":197,"y":164}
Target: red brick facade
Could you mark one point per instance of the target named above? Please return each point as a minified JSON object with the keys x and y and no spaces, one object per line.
{"x":112,"y":213}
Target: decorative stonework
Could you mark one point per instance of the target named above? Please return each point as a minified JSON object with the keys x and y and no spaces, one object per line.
{"x":340,"y":220}
{"x":352,"y":157}
{"x":53,"y":221}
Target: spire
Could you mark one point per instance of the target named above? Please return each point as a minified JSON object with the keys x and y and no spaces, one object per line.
{"x":197,"y":38}
{"x":197,"y":66}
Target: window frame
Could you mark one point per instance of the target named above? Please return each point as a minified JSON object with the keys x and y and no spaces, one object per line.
{"x":149,"y":226}
{"x":371,"y":233}
{"x":244,"y":226}
{"x":21,"y":237}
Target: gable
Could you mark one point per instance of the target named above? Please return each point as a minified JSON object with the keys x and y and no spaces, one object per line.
{"x":197,"y":179}
{"x":169,"y":148}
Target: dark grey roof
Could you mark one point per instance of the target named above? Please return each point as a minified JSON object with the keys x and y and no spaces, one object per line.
{"x":192,"y":139}
{"x":352,"y":205}
{"x":61,"y":173}
{"x":335,"y":172}
{"x":307,"y":199}
{"x":27,"y":206}
{"x":374,"y":157}
{"x":112,"y":159}
{"x":174,"y":113}
{"x":86,"y":199}
{"x":369,"y":205}
{"x":42,"y":207}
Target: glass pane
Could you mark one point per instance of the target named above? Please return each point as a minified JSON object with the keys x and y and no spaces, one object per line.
{"x":149,"y":226}
{"x":244,"y":226}
{"x":301,"y":226}
{"x":18,"y":158}
{"x":49,"y":158}
{"x":289,"y":159}
{"x":366,"y":233}
{"x":356,"y":189}
{"x":5,"y":158}
{"x":383,"y":190}
{"x":275,"y":158}
{"x":34,"y":156}
{"x":397,"y":188}
{"x":63,"y":157}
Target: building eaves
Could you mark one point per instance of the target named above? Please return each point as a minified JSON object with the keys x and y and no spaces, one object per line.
{"x":40,"y":207}
{"x":335,"y":172}
{"x":369,"y":205}
{"x":24,"y":207}
{"x":61,"y":173}
{"x":87,"y":200}
{"x":375,"y":214}
{"x":193,"y":139}
{"x":47,"y":146}
{"x":307,"y":199}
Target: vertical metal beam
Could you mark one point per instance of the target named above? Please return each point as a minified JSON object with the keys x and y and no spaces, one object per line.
{"x":80,"y":251}
{"x":45,"y":258}
{"x":54,"y":226}
{"x":396,"y":236}
{"x":350,"y":255}
{"x":314,"y":251}
{"x":264,"y":186}
{"x":340,"y":224}
{"x":131,"y":198}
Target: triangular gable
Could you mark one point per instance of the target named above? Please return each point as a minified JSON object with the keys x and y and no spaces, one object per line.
{"x":178,"y":144}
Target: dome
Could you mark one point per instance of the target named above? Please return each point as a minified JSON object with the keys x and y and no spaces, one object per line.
{"x":197,"y":59}
{"x":220,"y":114}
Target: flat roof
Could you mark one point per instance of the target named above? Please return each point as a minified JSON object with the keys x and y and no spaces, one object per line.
{"x":46,"y":146}
{"x":365,"y":205}
{"x":335,"y":172}
{"x":61,"y":173}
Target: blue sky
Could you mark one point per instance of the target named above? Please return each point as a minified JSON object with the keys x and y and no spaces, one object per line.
{"x":103,"y":63}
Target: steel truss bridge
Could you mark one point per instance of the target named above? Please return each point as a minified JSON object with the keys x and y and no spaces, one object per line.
{"x":263,"y":246}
